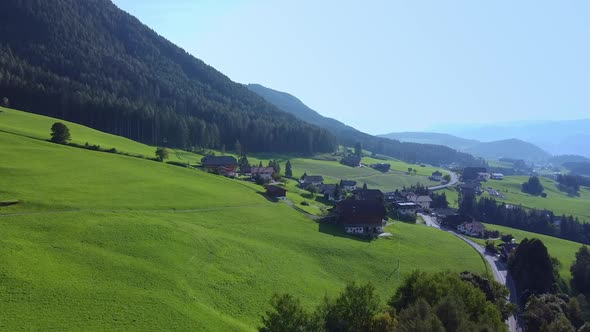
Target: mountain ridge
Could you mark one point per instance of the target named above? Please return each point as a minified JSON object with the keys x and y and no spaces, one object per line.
{"x":411,"y":152}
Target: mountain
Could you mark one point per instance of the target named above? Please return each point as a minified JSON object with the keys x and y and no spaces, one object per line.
{"x":507,"y":148}
{"x":556,"y":137}
{"x":451,"y":141}
{"x":346,"y":135}
{"x":91,"y":63}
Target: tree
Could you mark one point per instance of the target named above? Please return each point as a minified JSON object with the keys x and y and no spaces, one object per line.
{"x":547,"y":312}
{"x":532,"y":268}
{"x":358,"y":149}
{"x":415,"y":171}
{"x":337,"y":191}
{"x":60,"y":133}
{"x":409,"y":170}
{"x":447,"y":178}
{"x":286,"y":314}
{"x":533,"y":186}
{"x":243,"y":163}
{"x":580,"y":270}
{"x":288,"y":169}
{"x":5,"y":102}
{"x":161,"y":153}
{"x":353,"y":310}
{"x":238,"y":147}
{"x":365,"y":187}
{"x":419,"y":317}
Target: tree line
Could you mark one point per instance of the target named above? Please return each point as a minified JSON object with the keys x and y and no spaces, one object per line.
{"x":442,"y":301}
{"x":488,"y":210}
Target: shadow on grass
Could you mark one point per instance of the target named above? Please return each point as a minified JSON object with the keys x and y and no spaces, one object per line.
{"x":268,"y":198}
{"x":336,"y":230}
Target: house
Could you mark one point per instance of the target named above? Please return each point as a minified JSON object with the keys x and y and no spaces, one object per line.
{"x":264,"y":173}
{"x":497,"y":176}
{"x":436,"y":176}
{"x":406,"y":208}
{"x":422,"y":200}
{"x":222,"y":165}
{"x":484,"y":177}
{"x":351,"y":160}
{"x":348,"y":184}
{"x":368,"y":195}
{"x":506,"y":249}
{"x":360,"y":217}
{"x":381,"y":167}
{"x":328,"y":190}
{"x":315,"y":180}
{"x":391,"y":197}
{"x":276,"y":191}
{"x":474,"y":228}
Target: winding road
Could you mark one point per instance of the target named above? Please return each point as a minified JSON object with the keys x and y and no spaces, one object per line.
{"x":499,"y":269}
{"x":454,"y":180}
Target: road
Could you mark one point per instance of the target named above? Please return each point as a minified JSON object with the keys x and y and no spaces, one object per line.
{"x":454,"y":180}
{"x":499,"y":270}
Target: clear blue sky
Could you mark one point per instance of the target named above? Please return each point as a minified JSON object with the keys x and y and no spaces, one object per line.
{"x":387,"y":65}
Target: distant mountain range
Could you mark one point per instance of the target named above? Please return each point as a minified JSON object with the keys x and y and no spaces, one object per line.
{"x":346,"y":135}
{"x":569,"y":137}
{"x":506,"y":148}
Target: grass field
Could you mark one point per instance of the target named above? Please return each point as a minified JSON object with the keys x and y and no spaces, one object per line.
{"x":557,"y":201}
{"x":102,"y":241}
{"x":333,"y":172}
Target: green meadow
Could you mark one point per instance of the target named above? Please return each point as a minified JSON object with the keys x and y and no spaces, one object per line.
{"x":101,"y":241}
{"x":557,"y":201}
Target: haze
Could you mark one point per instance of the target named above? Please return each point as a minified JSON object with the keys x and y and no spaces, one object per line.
{"x":384,"y":66}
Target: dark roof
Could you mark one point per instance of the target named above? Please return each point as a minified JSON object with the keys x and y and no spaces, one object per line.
{"x":258,"y":170}
{"x":327,"y":188}
{"x":435,"y":173}
{"x":368,"y":194}
{"x":276,"y":190}
{"x":351,"y":160}
{"x":352,"y":212}
{"x":314,"y":178}
{"x":219,"y":161}
{"x":347,"y":183}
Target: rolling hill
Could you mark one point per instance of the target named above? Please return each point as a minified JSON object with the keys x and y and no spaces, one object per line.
{"x":102,"y":241}
{"x":506,"y":148}
{"x":346,"y":135}
{"x":91,"y":63}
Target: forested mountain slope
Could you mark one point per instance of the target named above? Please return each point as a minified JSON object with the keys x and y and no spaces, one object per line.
{"x":346,"y":135}
{"x":92,"y":63}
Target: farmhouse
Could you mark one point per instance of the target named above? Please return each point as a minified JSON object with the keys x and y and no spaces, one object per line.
{"x":422,"y":200}
{"x":352,"y":161}
{"x":223,"y":165}
{"x":328,"y":190}
{"x":315,"y":180}
{"x":360,"y":217}
{"x":348,"y":184}
{"x":436,"y":176}
{"x":406,"y":208}
{"x":276,"y":191}
{"x":497,"y":176}
{"x":382,"y":167}
{"x":474,"y":228}
{"x":264,"y":173}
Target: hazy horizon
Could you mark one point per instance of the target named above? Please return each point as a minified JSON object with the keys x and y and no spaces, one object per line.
{"x":416,"y":65}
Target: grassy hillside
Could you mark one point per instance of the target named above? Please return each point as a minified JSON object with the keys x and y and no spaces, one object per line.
{"x":103,"y":241}
{"x":557,"y":201}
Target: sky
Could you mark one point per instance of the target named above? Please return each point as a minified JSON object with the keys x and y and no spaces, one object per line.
{"x":386,"y":65}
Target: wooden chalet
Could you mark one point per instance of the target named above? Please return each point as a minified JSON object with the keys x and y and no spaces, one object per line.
{"x":276,"y":191}
{"x":360,"y":217}
{"x":222,"y":165}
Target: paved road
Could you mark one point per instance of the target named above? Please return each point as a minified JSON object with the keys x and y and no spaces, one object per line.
{"x":499,"y":270}
{"x":454,"y":180}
